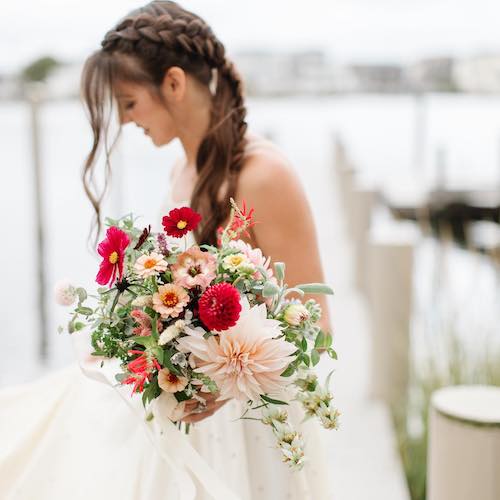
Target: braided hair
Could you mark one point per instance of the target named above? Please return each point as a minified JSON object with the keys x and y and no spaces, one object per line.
{"x":141,"y":49}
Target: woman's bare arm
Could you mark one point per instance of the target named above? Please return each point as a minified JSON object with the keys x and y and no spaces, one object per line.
{"x":285,"y":229}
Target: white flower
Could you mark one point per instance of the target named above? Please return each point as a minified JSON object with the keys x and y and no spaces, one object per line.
{"x":65,"y":293}
{"x":284,"y":432}
{"x":143,"y":301}
{"x":238,"y":262}
{"x":295,"y":314}
{"x":273,"y":414}
{"x":171,"y":332}
{"x":328,"y":416}
{"x":150,"y":265}
{"x":293,"y":452}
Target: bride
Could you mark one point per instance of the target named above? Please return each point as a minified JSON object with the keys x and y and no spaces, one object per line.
{"x":66,"y":436}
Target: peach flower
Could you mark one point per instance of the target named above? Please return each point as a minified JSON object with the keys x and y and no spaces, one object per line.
{"x":150,"y":265}
{"x":247,"y":359}
{"x":194,"y":268}
{"x":254,"y":255}
{"x":169,"y":382}
{"x":170,"y":300}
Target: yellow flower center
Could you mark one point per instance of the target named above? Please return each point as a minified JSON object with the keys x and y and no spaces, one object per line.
{"x":148,"y":264}
{"x":113,"y":258}
{"x":181,"y":224}
{"x":236,"y":260}
{"x":170,"y":299}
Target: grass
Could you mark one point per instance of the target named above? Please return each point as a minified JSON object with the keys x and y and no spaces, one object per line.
{"x":411,"y":421}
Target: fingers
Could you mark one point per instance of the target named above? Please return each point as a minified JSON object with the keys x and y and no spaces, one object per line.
{"x":192,"y":416}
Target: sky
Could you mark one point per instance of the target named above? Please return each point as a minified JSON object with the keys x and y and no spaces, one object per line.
{"x":388,"y":31}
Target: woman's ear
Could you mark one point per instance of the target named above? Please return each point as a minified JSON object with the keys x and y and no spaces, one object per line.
{"x":174,"y":84}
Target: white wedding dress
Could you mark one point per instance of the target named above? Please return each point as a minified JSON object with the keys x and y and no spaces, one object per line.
{"x":72,"y":436}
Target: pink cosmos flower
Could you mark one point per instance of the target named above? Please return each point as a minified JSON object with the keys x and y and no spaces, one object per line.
{"x":144,"y":323}
{"x":112,"y":250}
{"x":247,"y":359}
{"x":254,"y":255}
{"x":194,"y":268}
{"x":170,"y":300}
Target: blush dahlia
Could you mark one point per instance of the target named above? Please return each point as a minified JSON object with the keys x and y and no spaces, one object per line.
{"x":219,"y":307}
{"x":180,"y":221}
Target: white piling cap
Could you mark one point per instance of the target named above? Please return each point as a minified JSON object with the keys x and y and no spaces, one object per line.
{"x":477,"y":404}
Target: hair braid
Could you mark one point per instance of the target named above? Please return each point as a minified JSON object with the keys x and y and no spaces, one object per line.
{"x":157,"y":37}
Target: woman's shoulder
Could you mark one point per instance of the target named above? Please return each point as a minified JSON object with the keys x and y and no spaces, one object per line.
{"x":265,"y":166}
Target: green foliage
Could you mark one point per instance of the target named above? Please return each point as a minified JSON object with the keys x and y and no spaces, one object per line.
{"x":40,"y":69}
{"x":411,"y":419}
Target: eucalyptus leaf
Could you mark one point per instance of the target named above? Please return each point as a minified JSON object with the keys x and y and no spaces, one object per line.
{"x":82,"y":294}
{"x":320,"y":340}
{"x":270,"y":289}
{"x":85,"y":311}
{"x":319,"y":288}
{"x":279,"y":267}
{"x":314,"y":357}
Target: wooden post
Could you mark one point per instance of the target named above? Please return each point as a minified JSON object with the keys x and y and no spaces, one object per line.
{"x":464,"y":444}
{"x":34,"y":95}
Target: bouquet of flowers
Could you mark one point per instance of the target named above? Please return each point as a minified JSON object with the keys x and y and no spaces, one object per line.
{"x":190,"y":320}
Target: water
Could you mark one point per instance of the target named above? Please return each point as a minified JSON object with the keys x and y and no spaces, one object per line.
{"x":379,"y":133}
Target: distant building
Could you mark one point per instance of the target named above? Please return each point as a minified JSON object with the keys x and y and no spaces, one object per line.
{"x":271,"y":73}
{"x":10,"y":87}
{"x":378,"y":78}
{"x":432,"y":75}
{"x":478,"y":74}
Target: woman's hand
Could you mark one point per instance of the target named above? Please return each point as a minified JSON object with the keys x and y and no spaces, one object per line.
{"x":196,"y":411}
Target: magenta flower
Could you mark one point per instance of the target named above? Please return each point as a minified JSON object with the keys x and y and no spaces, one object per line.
{"x":112,"y":250}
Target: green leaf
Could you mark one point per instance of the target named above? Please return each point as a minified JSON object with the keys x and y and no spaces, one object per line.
{"x":332,"y":353}
{"x":147,"y":342}
{"x":181,"y":396}
{"x":270,"y":289}
{"x":320,"y":340}
{"x":303,"y":344}
{"x":167,"y":354}
{"x":306,"y":360}
{"x":290,"y":370}
{"x":314,"y":357}
{"x":158,"y":352}
{"x":320,"y":288}
{"x":82,"y":294}
{"x":154,"y":326}
{"x":85,"y":311}
{"x":79,"y":326}
{"x":279,"y":267}
{"x":267,"y":399}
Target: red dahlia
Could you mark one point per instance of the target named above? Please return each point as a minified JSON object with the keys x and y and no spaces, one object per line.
{"x":180,"y":221}
{"x":219,"y":306}
{"x":112,"y":250}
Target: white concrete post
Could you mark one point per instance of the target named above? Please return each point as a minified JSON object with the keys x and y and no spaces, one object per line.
{"x":389,"y":286}
{"x":464,"y":444}
{"x":362,"y":202}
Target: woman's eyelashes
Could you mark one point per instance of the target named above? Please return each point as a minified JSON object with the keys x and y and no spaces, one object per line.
{"x":129,"y":105}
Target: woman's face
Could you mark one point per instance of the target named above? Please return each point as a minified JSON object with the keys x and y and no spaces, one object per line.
{"x":137,"y":104}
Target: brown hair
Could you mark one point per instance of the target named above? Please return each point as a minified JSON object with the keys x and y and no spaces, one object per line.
{"x":140,"y":49}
